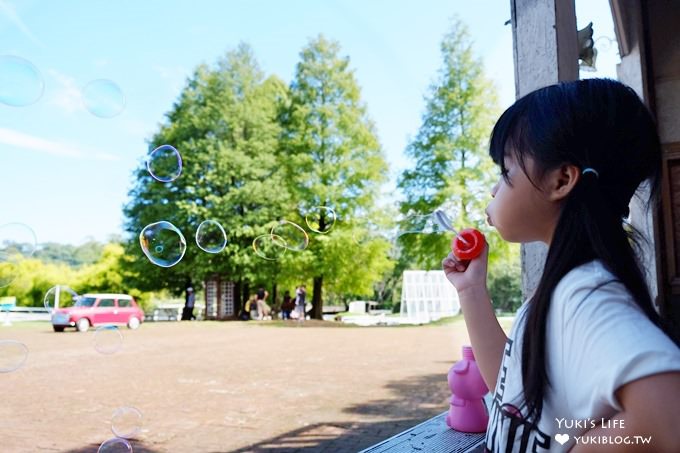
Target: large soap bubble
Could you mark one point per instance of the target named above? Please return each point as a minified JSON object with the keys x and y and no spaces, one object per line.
{"x":163,"y":243}
{"x":103,"y":98}
{"x":211,"y":237}
{"x":21,"y":83}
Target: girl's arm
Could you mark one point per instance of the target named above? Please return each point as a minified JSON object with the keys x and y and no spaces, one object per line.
{"x":486,"y":335}
{"x":648,"y":422}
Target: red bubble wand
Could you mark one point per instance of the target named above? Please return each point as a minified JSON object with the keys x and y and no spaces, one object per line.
{"x":466,"y":244}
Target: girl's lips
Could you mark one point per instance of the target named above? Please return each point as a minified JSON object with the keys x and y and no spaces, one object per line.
{"x":488,"y":220}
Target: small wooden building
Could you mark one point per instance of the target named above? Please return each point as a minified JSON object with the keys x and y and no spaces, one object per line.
{"x":220,"y":298}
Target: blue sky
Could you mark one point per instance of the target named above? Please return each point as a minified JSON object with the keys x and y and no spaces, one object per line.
{"x":66,"y":172}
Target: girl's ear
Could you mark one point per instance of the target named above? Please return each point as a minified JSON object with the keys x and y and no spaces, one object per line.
{"x":561,"y":181}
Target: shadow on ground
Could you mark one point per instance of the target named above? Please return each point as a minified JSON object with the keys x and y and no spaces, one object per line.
{"x":415,"y":400}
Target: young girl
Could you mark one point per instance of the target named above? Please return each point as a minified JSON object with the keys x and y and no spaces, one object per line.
{"x":588,"y":364}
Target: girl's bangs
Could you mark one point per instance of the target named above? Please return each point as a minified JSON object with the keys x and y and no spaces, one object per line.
{"x":506,"y":133}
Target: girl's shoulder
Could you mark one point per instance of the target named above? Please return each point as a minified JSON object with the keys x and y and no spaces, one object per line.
{"x":591,"y":291}
{"x":590,"y":277}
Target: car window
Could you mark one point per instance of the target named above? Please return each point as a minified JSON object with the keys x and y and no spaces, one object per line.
{"x":85,"y":302}
{"x":123,"y":303}
{"x":105,"y":303}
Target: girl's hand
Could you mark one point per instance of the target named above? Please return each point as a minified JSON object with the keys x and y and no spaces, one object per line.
{"x":462,"y":277}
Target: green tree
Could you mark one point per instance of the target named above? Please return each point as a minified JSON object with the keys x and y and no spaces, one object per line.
{"x":31,"y":278}
{"x":110,"y":274}
{"x":225,"y":127}
{"x":452,"y":168}
{"x":34,"y":277}
{"x":334,"y":160}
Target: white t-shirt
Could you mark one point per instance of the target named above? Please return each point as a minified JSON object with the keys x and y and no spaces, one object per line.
{"x":595,"y":344}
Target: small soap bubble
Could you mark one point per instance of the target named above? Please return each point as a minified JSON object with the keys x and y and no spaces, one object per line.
{"x":293,"y":235}
{"x":211,"y":237}
{"x":419,"y":224}
{"x":115,"y":445}
{"x":103,"y":98}
{"x":21,"y":83}
{"x":126,"y":422}
{"x":13,"y":355}
{"x":320,"y":219}
{"x":164,"y":163}
{"x":269,"y":246}
{"x":17,"y":238}
{"x":59,"y":296}
{"x":163,"y":243}
{"x":107,"y":340}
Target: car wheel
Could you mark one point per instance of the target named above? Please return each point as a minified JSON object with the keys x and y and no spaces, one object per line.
{"x":58,"y":328}
{"x":83,"y":325}
{"x":133,"y":323}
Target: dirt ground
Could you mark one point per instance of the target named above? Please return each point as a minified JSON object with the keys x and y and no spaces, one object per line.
{"x":227,"y":386}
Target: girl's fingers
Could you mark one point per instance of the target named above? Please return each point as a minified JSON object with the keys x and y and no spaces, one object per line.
{"x":450,"y":263}
{"x":450,"y":260}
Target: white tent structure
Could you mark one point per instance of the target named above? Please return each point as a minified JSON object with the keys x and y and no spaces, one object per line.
{"x":427,"y":296}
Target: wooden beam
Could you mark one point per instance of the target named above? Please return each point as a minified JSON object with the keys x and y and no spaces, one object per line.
{"x":546,"y":52}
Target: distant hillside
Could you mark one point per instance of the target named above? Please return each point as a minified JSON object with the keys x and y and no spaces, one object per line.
{"x":74,"y":256}
{"x":52,"y":252}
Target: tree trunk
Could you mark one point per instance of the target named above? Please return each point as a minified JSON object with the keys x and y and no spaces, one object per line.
{"x":237,"y":297}
{"x":317,"y":301}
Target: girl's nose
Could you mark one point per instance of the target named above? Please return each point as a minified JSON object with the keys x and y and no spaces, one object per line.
{"x":494,"y":189}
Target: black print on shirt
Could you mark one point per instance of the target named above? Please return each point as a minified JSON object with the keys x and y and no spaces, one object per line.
{"x":507,"y":418}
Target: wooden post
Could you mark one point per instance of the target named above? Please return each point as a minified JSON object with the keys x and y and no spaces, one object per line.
{"x":545,"y":51}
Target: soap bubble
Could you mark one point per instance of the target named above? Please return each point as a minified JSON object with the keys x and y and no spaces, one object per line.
{"x":163,"y":243}
{"x":17,"y":238}
{"x":164,"y":163}
{"x":210,"y":236}
{"x":420,"y":224}
{"x":126,"y":422}
{"x":13,"y":355}
{"x":60,"y":296}
{"x":269,"y":246}
{"x":320,"y":219}
{"x":115,"y":445}
{"x":21,"y":83}
{"x":108,"y":340}
{"x":103,"y":98}
{"x":294,"y":236}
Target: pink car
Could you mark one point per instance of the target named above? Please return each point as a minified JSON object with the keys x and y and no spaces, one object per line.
{"x":98,"y":309}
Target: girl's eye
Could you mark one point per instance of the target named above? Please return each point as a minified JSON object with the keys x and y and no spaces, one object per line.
{"x":504,"y":172}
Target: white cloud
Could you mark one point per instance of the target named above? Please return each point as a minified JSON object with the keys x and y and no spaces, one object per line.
{"x":10,"y":13}
{"x":62,"y":149}
{"x":67,"y":96}
{"x":175,"y":76}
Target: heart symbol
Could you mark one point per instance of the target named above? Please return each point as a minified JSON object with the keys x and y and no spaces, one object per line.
{"x":562,"y":438}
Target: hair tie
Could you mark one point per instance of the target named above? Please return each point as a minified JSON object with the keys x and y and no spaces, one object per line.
{"x":591,"y":170}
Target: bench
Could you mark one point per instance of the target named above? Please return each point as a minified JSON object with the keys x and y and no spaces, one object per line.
{"x":171,"y":312}
{"x":433,"y":435}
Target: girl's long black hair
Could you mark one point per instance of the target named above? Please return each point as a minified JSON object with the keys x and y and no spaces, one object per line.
{"x":596,"y":123}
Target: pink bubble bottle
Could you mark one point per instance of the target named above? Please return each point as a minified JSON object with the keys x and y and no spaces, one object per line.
{"x":467,"y":412}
